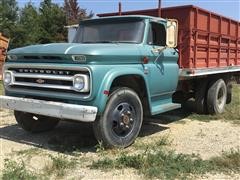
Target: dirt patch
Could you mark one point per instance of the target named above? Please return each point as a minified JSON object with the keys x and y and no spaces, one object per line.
{"x":207,"y":139}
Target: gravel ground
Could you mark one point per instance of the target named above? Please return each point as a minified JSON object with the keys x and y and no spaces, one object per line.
{"x":207,"y":139}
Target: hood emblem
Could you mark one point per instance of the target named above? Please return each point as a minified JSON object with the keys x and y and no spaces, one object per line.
{"x":40,"y":81}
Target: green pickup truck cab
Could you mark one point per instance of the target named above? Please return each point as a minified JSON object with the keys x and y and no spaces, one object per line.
{"x":116,"y":71}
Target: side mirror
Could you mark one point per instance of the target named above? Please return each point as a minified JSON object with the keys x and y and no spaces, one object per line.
{"x":172,"y":33}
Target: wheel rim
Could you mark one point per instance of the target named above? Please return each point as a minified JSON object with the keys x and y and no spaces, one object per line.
{"x":123,"y":119}
{"x":221,"y":98}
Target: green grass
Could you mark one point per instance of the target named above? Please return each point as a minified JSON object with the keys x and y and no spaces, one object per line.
{"x":160,"y":142}
{"x":15,"y":171}
{"x":169,"y":165}
{"x":28,"y":152}
{"x":59,"y":166}
{"x":232,"y":111}
{"x":18,"y":170}
{"x":1,"y":87}
{"x":228,"y":161}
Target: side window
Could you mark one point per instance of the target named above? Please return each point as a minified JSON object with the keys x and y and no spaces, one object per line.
{"x":157,"y":34}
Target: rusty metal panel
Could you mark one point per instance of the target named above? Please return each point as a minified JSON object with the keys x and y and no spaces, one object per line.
{"x":3,"y":49}
{"x":206,"y":39}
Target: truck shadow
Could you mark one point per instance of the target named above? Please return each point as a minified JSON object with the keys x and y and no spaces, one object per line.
{"x":160,"y":122}
{"x":69,"y":137}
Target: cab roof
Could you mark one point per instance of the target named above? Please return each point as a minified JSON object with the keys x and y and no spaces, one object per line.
{"x":122,"y":17}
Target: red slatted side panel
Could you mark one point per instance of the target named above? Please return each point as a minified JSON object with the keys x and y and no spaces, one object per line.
{"x":206,"y":39}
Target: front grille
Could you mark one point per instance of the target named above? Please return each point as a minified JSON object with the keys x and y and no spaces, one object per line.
{"x":46,"y":81}
{"x":49,"y":79}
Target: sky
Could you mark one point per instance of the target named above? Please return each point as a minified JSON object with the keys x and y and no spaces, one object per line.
{"x":228,"y":8}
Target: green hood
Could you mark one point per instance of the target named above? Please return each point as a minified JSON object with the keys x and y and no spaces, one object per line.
{"x":95,"y":53}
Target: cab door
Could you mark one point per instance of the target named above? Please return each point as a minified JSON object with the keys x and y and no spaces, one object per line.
{"x":163,"y":69}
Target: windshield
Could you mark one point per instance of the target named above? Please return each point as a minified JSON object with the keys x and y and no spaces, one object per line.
{"x":110,"y":32}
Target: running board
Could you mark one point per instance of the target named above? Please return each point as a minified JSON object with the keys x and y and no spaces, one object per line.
{"x":164,"y":108}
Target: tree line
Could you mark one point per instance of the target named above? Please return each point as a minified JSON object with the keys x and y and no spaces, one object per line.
{"x":37,"y":25}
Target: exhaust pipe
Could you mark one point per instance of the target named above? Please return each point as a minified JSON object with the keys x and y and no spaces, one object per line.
{"x":159,"y":7}
{"x":119,"y":8}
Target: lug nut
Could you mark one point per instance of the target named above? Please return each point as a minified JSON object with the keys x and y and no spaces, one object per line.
{"x":131,"y":119}
{"x":121,"y":124}
{"x":128,"y":112}
{"x":127,"y":126}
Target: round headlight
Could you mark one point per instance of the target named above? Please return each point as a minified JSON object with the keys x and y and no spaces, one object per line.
{"x":7,"y":78}
{"x":78,"y":83}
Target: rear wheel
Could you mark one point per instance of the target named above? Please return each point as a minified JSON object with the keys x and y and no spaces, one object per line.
{"x":216,"y":97}
{"x":229,"y":92}
{"x":200,"y":98}
{"x":35,"y":123}
{"x":122,"y":119}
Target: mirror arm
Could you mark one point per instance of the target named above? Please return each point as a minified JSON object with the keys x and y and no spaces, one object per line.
{"x":159,"y":50}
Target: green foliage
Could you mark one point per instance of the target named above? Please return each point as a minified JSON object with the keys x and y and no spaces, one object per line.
{"x":100,"y":148}
{"x":74,"y":13}
{"x":15,"y":171}
{"x":160,"y":142}
{"x":52,"y":20}
{"x":59,"y":165}
{"x":228,"y":161}
{"x":169,"y":165}
{"x":29,"y":25}
{"x":1,"y":87}
{"x":8,"y":18}
{"x":45,"y":24}
{"x":29,"y":152}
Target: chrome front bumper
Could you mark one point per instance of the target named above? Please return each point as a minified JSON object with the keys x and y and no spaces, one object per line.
{"x":50,"y":108}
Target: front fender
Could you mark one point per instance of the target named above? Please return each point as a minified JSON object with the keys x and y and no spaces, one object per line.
{"x":101,"y":98}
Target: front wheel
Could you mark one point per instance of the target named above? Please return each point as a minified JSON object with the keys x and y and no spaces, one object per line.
{"x":122,"y":119}
{"x":35,"y":123}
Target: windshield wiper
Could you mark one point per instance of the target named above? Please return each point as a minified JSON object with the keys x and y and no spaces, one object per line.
{"x":127,"y":42}
{"x":105,"y":41}
{"x":89,"y":42}
{"x":100,"y":41}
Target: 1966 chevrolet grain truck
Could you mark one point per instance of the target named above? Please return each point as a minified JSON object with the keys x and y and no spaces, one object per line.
{"x":120,"y":68}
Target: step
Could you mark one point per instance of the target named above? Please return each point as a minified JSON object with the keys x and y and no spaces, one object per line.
{"x":164,"y":108}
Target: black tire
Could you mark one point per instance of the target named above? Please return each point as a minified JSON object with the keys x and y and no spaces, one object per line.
{"x":229,"y":92}
{"x":35,"y":123}
{"x":121,"y":121}
{"x":200,"y":98}
{"x":216,"y":97}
